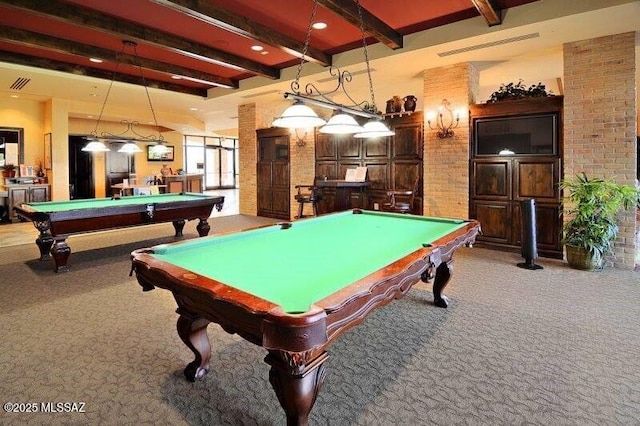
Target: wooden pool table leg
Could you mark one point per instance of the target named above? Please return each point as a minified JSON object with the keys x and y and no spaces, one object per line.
{"x":178,"y":225}
{"x":203,"y":227}
{"x":296,"y":382}
{"x":443,"y":275}
{"x":60,"y":252}
{"x":192,"y":329}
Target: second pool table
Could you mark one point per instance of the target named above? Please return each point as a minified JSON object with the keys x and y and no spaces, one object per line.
{"x":292,"y":288}
{"x":56,"y":220}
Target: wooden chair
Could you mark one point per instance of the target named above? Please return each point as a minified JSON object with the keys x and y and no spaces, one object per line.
{"x":308,"y":194}
{"x":401,"y":201}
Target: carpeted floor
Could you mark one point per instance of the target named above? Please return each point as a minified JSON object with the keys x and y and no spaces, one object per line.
{"x":549,"y":347}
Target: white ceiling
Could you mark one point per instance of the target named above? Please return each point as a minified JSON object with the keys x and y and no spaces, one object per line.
{"x":537,"y":31}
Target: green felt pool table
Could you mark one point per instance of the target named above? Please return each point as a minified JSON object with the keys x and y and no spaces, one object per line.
{"x":294,"y":287}
{"x":56,"y":220}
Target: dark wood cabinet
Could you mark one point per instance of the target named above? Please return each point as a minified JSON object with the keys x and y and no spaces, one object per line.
{"x":392,"y":162}
{"x":26,"y":193}
{"x":273,"y":173}
{"x":500,"y":183}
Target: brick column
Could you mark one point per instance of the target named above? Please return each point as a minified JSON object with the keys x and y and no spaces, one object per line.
{"x":600,"y":124}
{"x":446,"y":161}
{"x":248,"y":157}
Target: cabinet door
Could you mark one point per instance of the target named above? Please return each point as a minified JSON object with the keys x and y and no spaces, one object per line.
{"x":491,"y":179}
{"x":537,"y":178}
{"x":495,"y":220}
{"x":17,"y":196}
{"x":39,"y":194}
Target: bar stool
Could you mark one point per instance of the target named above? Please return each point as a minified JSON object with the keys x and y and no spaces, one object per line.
{"x":307,"y":194}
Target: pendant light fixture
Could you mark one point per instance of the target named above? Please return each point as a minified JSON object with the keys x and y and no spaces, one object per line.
{"x":300,"y":115}
{"x":130,"y":136}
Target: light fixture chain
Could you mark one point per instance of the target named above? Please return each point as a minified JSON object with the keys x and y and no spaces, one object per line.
{"x":104,"y":102}
{"x":146,"y":89}
{"x":366,"y":56}
{"x":295,"y":85}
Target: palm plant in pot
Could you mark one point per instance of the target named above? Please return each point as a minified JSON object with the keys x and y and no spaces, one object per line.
{"x":592,"y":228}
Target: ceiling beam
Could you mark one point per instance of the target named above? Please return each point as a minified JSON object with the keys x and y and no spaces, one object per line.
{"x":91,"y":19}
{"x":491,"y":13}
{"x":240,"y":25}
{"x":35,"y":40}
{"x":348,"y":10}
{"x":32,"y":61}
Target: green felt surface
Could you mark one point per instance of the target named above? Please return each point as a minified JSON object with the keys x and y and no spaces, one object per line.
{"x":296,"y":267}
{"x":97,"y":203}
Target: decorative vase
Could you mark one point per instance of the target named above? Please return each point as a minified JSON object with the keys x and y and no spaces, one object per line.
{"x":390,"y":106}
{"x":580,"y":258}
{"x":397,"y":104}
{"x":410,"y":103}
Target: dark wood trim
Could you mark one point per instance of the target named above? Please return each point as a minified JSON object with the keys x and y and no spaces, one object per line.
{"x":50,"y":64}
{"x":87,"y":18}
{"x":373,"y":25}
{"x":40,"y":41}
{"x":240,"y":25}
{"x":491,"y":13}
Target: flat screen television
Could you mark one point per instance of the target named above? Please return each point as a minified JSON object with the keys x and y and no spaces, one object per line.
{"x":518,"y":135}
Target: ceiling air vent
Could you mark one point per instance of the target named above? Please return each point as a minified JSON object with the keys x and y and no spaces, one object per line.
{"x":20,"y":83}
{"x":490,"y":44}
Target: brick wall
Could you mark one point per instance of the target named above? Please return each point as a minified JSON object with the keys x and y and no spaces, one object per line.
{"x":446,"y":161}
{"x":600,"y":124}
{"x":247,"y":157}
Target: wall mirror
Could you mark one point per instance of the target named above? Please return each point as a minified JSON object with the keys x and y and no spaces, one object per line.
{"x":11,"y":146}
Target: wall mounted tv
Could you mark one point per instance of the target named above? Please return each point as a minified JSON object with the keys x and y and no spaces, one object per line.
{"x":518,"y":135}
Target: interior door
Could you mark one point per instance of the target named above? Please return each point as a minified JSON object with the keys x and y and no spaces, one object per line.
{"x":81,"y":183}
{"x":273,"y":174}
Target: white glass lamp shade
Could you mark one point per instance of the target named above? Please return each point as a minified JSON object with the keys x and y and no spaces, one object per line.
{"x":374,"y":129}
{"x":95,"y":146}
{"x":341,"y":124}
{"x":160,"y":148}
{"x":129,"y":148}
{"x":298,"y":115}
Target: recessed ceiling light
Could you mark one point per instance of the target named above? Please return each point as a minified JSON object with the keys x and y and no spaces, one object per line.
{"x":193,"y":109}
{"x":319,"y":25}
{"x":89,"y":116}
{"x":96,"y":60}
{"x":176,"y":77}
{"x":257,"y":48}
{"x":14,"y":96}
{"x":264,"y":52}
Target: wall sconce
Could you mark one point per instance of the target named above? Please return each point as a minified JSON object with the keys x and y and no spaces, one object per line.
{"x":445,"y":120}
{"x":299,"y":139}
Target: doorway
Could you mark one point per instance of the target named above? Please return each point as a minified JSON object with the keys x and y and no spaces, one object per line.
{"x":81,"y":183}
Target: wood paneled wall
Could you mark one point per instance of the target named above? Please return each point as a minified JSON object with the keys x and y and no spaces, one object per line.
{"x":392,"y":162}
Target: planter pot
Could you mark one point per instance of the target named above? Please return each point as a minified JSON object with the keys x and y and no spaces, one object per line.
{"x":8,"y":173}
{"x":580,"y":258}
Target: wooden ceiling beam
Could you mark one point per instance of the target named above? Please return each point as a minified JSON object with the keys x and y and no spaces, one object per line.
{"x":491,"y":13}
{"x":90,"y":19}
{"x":348,"y":10}
{"x":36,"y":40}
{"x":32,"y":61}
{"x":240,"y":25}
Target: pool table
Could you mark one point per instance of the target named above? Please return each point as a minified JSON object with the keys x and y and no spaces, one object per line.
{"x":294,"y":287}
{"x":56,"y":220}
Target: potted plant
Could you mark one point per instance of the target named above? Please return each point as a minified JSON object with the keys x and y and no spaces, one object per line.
{"x":592,"y":228}
{"x":519,"y":91}
{"x":8,"y":170}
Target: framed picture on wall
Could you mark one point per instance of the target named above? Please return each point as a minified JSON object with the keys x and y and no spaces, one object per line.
{"x":154,"y":155}
{"x":47,"y":151}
